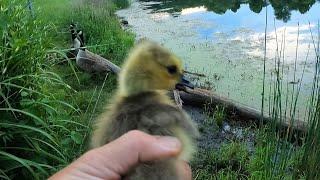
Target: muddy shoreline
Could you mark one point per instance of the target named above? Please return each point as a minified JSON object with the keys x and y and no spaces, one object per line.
{"x":212,"y":136}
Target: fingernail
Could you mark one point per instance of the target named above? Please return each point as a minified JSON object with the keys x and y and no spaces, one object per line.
{"x":169,"y":143}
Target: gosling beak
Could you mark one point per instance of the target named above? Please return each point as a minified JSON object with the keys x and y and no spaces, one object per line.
{"x":184,"y":83}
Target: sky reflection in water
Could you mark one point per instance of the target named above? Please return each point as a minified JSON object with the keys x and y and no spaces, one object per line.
{"x":253,"y":23}
{"x":229,"y":47}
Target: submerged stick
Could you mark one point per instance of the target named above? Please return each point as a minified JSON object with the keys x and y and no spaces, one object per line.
{"x":193,"y":73}
{"x":177,"y":98}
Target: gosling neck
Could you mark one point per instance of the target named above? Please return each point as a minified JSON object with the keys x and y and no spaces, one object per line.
{"x":133,"y":84}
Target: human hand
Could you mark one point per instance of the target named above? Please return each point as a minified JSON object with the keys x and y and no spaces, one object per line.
{"x":114,"y":160}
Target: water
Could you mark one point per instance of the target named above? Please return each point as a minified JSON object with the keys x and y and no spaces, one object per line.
{"x":225,"y":41}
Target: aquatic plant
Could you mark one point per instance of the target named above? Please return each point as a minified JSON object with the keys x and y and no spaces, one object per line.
{"x":46,"y":106}
{"x":290,"y":153}
{"x":280,"y":152}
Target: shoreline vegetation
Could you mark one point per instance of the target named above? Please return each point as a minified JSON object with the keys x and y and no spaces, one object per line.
{"x":47,"y":104}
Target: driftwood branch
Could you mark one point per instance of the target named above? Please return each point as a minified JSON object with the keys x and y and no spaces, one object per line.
{"x":201,"y":97}
{"x":91,"y":62}
{"x":195,"y":74}
{"x":177,"y":98}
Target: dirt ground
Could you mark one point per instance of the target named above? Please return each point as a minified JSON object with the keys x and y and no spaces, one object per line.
{"x":212,"y":136}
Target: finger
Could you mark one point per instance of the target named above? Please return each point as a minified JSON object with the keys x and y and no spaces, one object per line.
{"x":184,"y":170}
{"x":136,"y":147}
{"x":118,"y":157}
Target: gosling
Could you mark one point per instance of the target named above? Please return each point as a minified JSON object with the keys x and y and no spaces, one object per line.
{"x":141,"y":103}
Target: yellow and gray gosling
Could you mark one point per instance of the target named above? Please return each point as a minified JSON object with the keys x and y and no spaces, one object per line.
{"x":141,"y":103}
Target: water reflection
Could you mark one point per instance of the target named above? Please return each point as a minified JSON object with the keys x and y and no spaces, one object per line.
{"x":282,"y":8}
{"x":285,"y":39}
{"x":193,"y":10}
{"x":229,"y":48}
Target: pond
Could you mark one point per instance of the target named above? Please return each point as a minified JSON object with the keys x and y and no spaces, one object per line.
{"x":225,"y":41}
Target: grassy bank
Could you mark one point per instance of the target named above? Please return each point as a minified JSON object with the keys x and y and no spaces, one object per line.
{"x":279,"y":153}
{"x":46,"y":108}
{"x":47,"y":105}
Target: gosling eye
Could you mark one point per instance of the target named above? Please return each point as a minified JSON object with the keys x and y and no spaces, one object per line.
{"x":172,"y":69}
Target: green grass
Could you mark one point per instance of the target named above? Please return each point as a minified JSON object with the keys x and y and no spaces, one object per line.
{"x":292,"y":155}
{"x":230,"y":161}
{"x":47,"y":107}
{"x":219,"y":115}
{"x":279,"y":153}
{"x":216,"y":115}
{"x":235,"y":160}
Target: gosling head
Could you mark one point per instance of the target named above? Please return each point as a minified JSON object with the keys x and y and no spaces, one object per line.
{"x":149,"y":67}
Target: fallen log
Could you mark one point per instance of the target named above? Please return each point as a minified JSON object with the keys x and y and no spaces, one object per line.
{"x":202,"y":97}
{"x":91,"y":62}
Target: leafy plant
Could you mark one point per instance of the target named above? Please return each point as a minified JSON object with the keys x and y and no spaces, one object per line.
{"x":219,"y":115}
{"x":230,"y":161}
{"x":46,"y":110}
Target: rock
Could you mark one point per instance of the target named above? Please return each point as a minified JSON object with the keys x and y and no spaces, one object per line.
{"x":226,"y":127}
{"x":124,"y":22}
{"x":238,"y":133}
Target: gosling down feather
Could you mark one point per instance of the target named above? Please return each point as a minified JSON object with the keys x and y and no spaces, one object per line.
{"x":141,"y":103}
